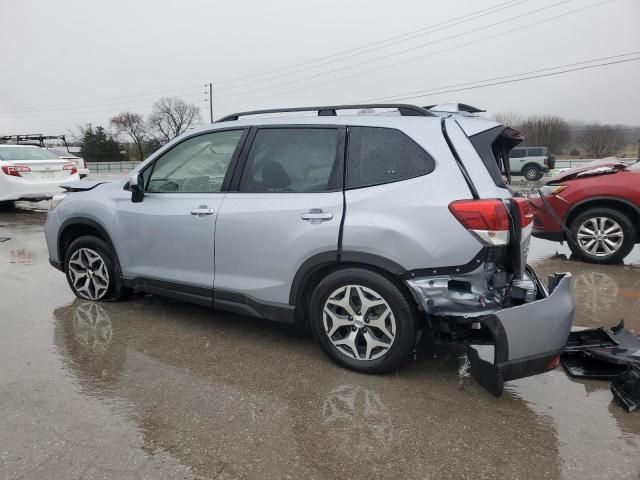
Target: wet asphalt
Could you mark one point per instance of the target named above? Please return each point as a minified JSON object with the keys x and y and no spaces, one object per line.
{"x":153,"y":388}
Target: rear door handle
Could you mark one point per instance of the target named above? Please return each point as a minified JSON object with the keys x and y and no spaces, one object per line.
{"x":202,"y":210}
{"x":316,"y":215}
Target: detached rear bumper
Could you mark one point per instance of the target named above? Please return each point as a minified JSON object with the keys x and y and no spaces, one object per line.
{"x":527,"y":339}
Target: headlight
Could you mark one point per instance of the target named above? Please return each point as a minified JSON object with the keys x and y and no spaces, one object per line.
{"x":549,"y":190}
{"x":57,"y":198}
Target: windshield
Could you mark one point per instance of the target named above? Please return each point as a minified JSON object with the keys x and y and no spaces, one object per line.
{"x":26,"y":153}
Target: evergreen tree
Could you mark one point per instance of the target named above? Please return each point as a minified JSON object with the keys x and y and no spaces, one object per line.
{"x":99,"y":146}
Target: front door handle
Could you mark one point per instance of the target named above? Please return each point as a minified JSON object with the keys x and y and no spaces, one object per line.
{"x":202,"y":210}
{"x":316,"y":215}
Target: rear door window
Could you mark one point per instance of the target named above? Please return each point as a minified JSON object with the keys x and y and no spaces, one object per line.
{"x":293,"y":160}
{"x":535,"y":152}
{"x":382,"y":155}
{"x":518,"y":153}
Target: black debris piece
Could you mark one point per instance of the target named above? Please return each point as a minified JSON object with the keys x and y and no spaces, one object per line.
{"x":607,"y":354}
{"x":583,"y":365}
{"x":4,"y":239}
{"x":603,"y":351}
{"x":626,"y":388}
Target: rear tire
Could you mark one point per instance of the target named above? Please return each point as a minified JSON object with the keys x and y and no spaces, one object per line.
{"x":92,"y":270}
{"x":612,"y":239}
{"x":533,"y":173}
{"x":363,"y":321}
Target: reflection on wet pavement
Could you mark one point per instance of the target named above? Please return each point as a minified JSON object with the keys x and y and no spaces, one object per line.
{"x":604,"y":293}
{"x":153,"y":388}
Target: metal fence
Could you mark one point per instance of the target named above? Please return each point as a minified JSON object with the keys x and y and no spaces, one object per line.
{"x":111,"y":167}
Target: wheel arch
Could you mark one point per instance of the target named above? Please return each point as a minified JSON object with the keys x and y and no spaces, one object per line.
{"x":616,"y":203}
{"x":73,"y":228}
{"x":317,"y":267}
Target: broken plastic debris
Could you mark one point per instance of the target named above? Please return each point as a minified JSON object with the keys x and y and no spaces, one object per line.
{"x":626,"y":388}
{"x":607,"y":354}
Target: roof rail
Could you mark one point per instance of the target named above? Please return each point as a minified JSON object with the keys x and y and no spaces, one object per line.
{"x":330,"y":110}
{"x":33,"y":137}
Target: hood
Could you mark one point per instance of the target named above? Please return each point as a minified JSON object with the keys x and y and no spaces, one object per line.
{"x":596,"y":167}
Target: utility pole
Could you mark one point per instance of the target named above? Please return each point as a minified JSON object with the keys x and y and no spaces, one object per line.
{"x":211,"y":102}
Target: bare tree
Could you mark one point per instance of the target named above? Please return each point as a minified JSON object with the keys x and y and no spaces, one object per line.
{"x":546,"y":131}
{"x":600,"y":141}
{"x":172,"y":116}
{"x":131,"y":124}
{"x":509,"y":119}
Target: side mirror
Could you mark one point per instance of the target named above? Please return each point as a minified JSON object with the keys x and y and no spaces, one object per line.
{"x":136,"y":185}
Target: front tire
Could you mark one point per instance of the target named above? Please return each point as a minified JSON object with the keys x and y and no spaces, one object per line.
{"x":602,"y":235}
{"x":92,"y":271}
{"x":363,"y":321}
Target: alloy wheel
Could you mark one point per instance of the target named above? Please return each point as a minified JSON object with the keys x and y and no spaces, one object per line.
{"x":600,"y":236}
{"x":359,"y":322}
{"x":531,"y":174}
{"x":89,"y":274}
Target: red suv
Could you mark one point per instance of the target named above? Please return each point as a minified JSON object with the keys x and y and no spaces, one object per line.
{"x":594,"y":207}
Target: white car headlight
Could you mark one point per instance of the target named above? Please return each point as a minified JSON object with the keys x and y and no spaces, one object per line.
{"x":57,"y":198}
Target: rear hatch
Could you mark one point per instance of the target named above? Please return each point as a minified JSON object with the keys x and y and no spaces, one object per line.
{"x":497,"y":216}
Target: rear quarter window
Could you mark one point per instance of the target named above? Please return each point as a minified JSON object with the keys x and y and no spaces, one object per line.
{"x":377,"y":155}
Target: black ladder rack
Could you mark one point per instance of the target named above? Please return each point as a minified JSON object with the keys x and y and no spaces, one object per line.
{"x":330,"y":110}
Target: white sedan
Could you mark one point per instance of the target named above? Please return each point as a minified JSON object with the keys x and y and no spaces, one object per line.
{"x":81,"y":165}
{"x":32,"y":173}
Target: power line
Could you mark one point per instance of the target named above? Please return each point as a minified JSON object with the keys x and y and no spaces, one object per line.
{"x":530,"y":72}
{"x":82,"y":109}
{"x":464,"y":18}
{"x":362,"y":50}
{"x":317,"y":59}
{"x":430,"y":54}
{"x":441,"y":90}
{"x":61,"y":105}
{"x":394,"y":54}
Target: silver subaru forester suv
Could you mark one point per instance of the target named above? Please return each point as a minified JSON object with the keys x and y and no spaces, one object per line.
{"x":367,"y":229}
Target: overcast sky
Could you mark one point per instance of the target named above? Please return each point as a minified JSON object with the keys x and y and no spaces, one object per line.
{"x":71,"y":62}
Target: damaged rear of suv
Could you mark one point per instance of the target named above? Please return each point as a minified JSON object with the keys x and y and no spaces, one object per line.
{"x":365,"y":228}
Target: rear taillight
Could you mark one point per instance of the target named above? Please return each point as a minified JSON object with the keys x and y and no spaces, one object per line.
{"x":71,"y":168}
{"x":15,"y":170}
{"x":487,"y":219}
{"x":525,"y":211}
